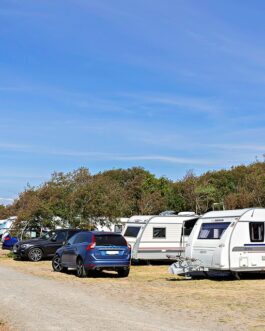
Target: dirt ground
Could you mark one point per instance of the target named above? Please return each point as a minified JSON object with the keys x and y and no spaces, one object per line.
{"x":220,"y":305}
{"x":4,"y":326}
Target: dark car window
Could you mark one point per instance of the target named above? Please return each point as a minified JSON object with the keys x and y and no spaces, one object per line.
{"x":72,"y":239}
{"x":82,"y":237}
{"x":110,"y":240}
{"x":48,"y":235}
{"x":61,"y":236}
{"x":72,"y":232}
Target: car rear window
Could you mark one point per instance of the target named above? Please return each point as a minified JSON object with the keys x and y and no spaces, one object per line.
{"x":110,"y":240}
{"x":132,"y":231}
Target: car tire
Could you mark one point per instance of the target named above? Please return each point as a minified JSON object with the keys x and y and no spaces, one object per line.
{"x":80,"y":268}
{"x":35,"y":254}
{"x":56,"y":264}
{"x":123,"y":272}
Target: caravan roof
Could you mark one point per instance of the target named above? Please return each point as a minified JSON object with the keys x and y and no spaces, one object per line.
{"x":226,"y":213}
{"x":172,"y":218}
{"x":139,"y":218}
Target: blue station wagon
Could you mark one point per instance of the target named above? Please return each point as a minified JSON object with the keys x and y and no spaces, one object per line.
{"x":92,"y":250}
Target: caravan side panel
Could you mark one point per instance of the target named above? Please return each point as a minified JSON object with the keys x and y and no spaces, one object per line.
{"x":153,"y":247}
{"x":247,"y":254}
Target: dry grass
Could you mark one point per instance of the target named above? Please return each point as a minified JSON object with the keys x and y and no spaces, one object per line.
{"x":230,"y":305}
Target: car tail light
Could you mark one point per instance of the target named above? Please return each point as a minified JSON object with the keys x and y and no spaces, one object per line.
{"x":129,"y":246}
{"x":92,"y":245}
{"x":7,"y":238}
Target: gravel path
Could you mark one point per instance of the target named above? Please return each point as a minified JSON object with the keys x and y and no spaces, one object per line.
{"x":34,"y":303}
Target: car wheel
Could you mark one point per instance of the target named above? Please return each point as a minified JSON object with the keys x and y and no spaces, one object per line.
{"x":57,"y":265}
{"x":80,"y":269}
{"x":35,"y":254}
{"x":123,"y":272}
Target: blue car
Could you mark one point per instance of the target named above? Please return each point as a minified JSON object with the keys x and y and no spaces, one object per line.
{"x":90,"y":251}
{"x":9,"y":241}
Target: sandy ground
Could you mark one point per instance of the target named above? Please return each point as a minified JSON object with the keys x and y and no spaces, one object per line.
{"x":170,"y":303}
{"x":3,"y":326}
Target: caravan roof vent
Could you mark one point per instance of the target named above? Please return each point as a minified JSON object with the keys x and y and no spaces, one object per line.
{"x":167,"y":213}
{"x":186,"y":213}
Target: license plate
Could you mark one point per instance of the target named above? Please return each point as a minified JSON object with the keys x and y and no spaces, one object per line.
{"x":112,"y":252}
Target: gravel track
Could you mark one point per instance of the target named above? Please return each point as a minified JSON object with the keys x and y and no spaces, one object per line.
{"x":34,"y":303}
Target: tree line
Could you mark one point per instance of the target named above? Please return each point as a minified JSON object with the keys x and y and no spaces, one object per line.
{"x":79,"y":198}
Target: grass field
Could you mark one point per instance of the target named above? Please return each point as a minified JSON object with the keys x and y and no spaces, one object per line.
{"x":228,"y":304}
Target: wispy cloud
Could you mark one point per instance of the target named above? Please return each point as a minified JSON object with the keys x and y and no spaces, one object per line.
{"x":244,"y":147}
{"x":126,"y":101}
{"x":189,"y":102}
{"x":14,"y":147}
{"x":108,"y":156}
{"x":7,"y":199}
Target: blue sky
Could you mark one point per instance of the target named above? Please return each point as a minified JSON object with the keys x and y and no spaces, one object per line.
{"x":168,"y":85}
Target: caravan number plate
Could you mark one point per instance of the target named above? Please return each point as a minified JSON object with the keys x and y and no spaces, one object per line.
{"x":112,"y":252}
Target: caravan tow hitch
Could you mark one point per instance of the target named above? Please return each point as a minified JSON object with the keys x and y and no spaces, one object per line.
{"x":185,"y":266}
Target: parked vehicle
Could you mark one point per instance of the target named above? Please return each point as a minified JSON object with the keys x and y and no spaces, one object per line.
{"x":225,"y":241}
{"x":93,"y":250}
{"x":8,"y":241}
{"x":44,"y":246}
{"x":154,"y":237}
{"x":6,"y":224}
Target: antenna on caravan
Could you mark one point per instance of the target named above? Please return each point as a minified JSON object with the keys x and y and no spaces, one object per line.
{"x":218,"y":206}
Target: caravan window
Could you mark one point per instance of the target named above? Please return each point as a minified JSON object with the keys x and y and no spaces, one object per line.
{"x":159,"y":232}
{"x":213,"y":230}
{"x":256,"y":231}
{"x":132,"y":231}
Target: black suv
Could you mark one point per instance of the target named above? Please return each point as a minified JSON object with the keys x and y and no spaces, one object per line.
{"x":44,"y":246}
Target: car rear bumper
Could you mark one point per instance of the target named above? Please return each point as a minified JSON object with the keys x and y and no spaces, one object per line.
{"x":107,"y":264}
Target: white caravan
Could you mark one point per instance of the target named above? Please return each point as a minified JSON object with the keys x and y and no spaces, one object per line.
{"x":154,"y":237}
{"x":222,"y":241}
{"x":133,"y":228}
